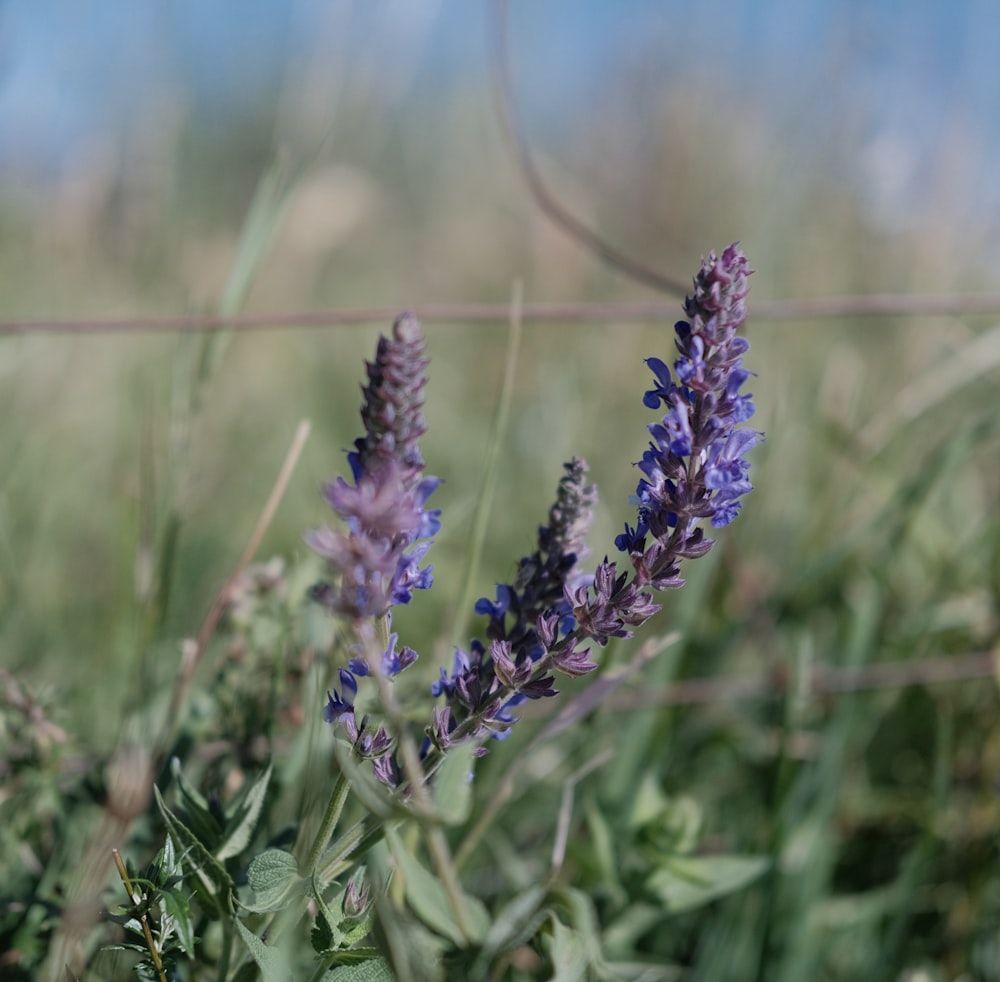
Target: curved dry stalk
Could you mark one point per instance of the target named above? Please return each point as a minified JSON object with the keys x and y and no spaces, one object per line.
{"x":194,"y":649}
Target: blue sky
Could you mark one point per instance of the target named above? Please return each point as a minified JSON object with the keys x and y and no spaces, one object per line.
{"x":72,"y":70}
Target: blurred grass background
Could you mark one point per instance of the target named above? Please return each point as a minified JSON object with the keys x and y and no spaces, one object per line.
{"x":873,"y":535}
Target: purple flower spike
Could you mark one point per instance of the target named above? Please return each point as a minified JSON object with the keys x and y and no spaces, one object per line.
{"x":523,"y":624}
{"x":374,"y":562}
{"x":695,"y":466}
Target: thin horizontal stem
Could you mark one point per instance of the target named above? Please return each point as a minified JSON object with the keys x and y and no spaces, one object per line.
{"x":818,"y":681}
{"x":791,"y":308}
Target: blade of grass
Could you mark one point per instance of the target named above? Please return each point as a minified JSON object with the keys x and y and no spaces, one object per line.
{"x":487,"y":485}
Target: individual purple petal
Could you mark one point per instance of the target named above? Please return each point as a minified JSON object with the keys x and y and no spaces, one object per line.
{"x":340,"y":705}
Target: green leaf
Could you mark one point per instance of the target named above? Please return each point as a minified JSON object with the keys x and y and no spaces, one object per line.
{"x":684,"y":883}
{"x":326,"y":935}
{"x":191,"y":795}
{"x":621,"y":934}
{"x":429,"y":900}
{"x":332,"y":922}
{"x":168,"y":862}
{"x":210,"y":871}
{"x":360,"y":930}
{"x":355,"y":956}
{"x":321,"y":937}
{"x":273,"y":962}
{"x":176,"y":906}
{"x":566,"y":949}
{"x":372,"y":970}
{"x":272,"y":876}
{"x":515,"y":923}
{"x":602,"y":853}
{"x":195,"y":813}
{"x":242,"y":820}
{"x":582,"y":917}
{"x":452,"y":788}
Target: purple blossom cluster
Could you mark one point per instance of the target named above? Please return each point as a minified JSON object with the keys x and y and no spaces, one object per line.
{"x":695,"y":467}
{"x":547,"y":618}
{"x":526,"y":628}
{"x":374,"y":563}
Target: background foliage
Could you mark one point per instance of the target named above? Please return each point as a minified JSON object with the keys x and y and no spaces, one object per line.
{"x":134,"y":466}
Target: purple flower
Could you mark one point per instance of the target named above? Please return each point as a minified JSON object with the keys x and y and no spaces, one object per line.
{"x":523,"y":623}
{"x":695,"y":467}
{"x":374,"y":561}
{"x":542,"y":577}
{"x":338,"y":705}
{"x":617,"y":605}
{"x":372,"y":745}
{"x":393,"y":662}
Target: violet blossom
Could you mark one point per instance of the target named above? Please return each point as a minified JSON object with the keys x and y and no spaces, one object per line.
{"x":374,"y":562}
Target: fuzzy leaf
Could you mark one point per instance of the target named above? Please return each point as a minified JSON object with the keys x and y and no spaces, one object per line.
{"x":326,"y":935}
{"x":321,"y":937}
{"x":685,"y":883}
{"x":273,"y":962}
{"x":211,"y":872}
{"x":242,"y":820}
{"x":359,"y":930}
{"x":429,"y":900}
{"x":372,"y":970}
{"x":452,"y":788}
{"x":272,"y":876}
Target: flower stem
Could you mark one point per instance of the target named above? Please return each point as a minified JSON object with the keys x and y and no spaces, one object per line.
{"x":436,"y":841}
{"x":154,"y":954}
{"x":331,"y":816}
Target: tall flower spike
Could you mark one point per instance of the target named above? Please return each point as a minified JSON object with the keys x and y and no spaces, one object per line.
{"x":695,"y":466}
{"x":374,"y":563}
{"x":536,"y":601}
{"x":542,"y":577}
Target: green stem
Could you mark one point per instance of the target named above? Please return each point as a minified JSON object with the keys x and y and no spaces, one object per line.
{"x":355,"y":841}
{"x":154,"y":954}
{"x":436,"y":841}
{"x":331,"y":816}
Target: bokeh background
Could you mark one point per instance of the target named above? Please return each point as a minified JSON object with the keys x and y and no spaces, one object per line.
{"x":850,"y":147}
